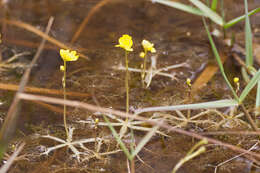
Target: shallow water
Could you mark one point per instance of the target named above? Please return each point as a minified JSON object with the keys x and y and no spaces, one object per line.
{"x":178,"y":38}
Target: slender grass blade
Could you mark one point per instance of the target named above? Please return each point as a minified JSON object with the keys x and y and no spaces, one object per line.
{"x":180,"y":6}
{"x":257,"y":102}
{"x":208,"y":12}
{"x":248,"y":39}
{"x":250,"y":86}
{"x":144,"y":141}
{"x":214,"y":49}
{"x":205,"y":105}
{"x":240,"y":18}
{"x":119,"y":141}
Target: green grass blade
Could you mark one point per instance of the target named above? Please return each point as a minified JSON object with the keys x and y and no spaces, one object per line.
{"x":204,"y":105}
{"x":257,"y":102}
{"x":180,"y":6}
{"x":248,"y":32}
{"x":214,"y":4}
{"x":249,"y":86}
{"x":214,"y":49}
{"x":240,"y":18}
{"x":119,"y":141}
{"x":144,"y":141}
{"x":208,"y":12}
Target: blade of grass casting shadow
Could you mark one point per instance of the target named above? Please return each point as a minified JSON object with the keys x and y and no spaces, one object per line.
{"x":9,"y":125}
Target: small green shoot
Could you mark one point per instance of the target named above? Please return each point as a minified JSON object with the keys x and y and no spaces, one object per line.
{"x":191,"y":154}
{"x":214,"y":5}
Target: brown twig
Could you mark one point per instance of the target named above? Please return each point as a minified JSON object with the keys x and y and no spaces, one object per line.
{"x":241,"y":62}
{"x":9,"y":162}
{"x":50,"y":107}
{"x":245,"y":133}
{"x":13,"y":87}
{"x":87,"y":18}
{"x":249,"y":118}
{"x":125,"y":115}
{"x":42,"y":34}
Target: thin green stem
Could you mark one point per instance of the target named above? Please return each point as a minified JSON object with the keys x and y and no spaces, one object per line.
{"x":65,"y":97}
{"x":145,"y":59}
{"x":126,"y":83}
{"x":144,"y":67}
{"x":144,"y":64}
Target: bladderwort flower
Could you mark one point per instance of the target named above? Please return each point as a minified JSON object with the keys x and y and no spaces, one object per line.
{"x":236,"y":81}
{"x":188,"y":82}
{"x":125,"y":42}
{"x":142,"y":54}
{"x":66,"y":55}
{"x":148,"y":47}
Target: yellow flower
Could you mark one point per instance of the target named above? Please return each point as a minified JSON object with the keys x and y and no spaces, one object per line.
{"x":68,"y":55}
{"x":142,"y":54}
{"x":148,"y":46}
{"x":236,"y":79}
{"x":62,"y":68}
{"x":188,"y":82}
{"x":125,"y":42}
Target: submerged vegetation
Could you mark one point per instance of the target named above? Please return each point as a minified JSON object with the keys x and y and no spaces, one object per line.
{"x":162,"y":118}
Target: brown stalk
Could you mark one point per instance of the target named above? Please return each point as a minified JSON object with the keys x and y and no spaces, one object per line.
{"x":93,"y":108}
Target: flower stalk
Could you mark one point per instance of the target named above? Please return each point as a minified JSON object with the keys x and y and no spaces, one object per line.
{"x":148,"y":47}
{"x":126,"y":43}
{"x":66,"y":55}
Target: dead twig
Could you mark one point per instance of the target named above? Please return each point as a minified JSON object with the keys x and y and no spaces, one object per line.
{"x":9,"y":162}
{"x":13,"y":87}
{"x":42,"y":34}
